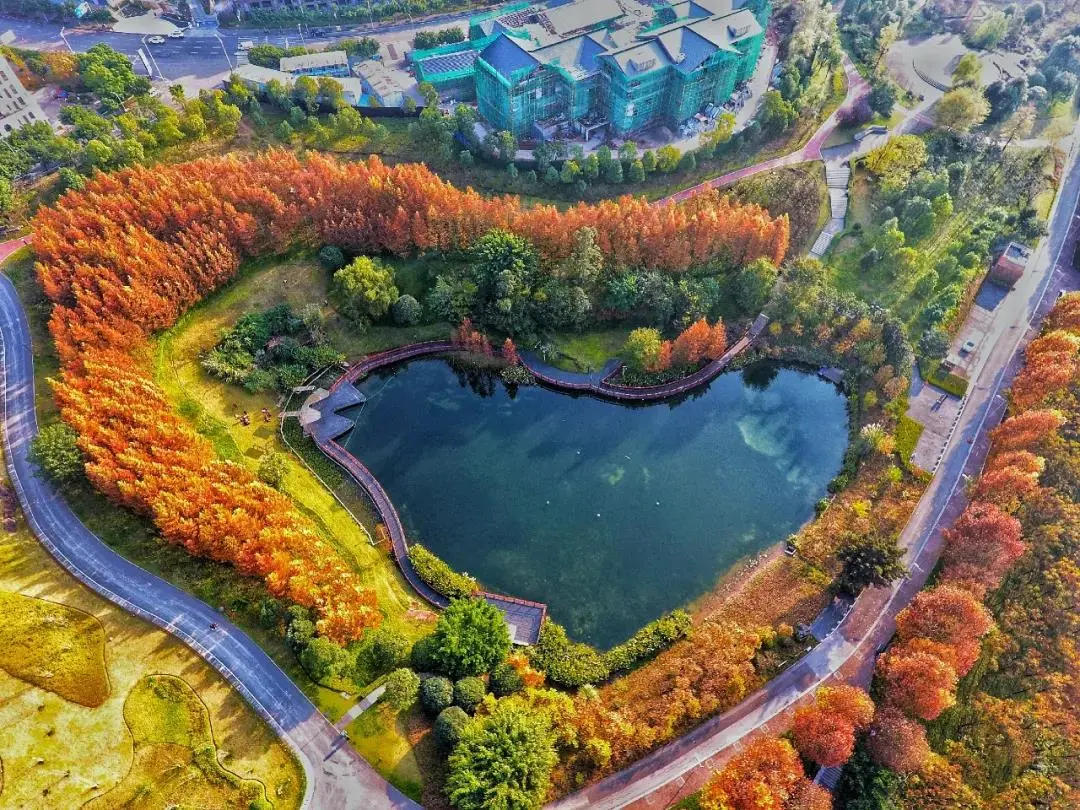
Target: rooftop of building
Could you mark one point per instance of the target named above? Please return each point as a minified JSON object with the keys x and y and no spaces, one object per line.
{"x":578,"y":56}
{"x":260,"y":74}
{"x":580,"y":16}
{"x":541,"y":25}
{"x":448,"y":63}
{"x":508,"y":58}
{"x":385,"y":79}
{"x":686,"y":44}
{"x":574,"y":35}
{"x":314,"y":61}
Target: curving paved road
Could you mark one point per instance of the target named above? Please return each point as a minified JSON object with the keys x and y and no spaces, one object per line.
{"x":337,"y":777}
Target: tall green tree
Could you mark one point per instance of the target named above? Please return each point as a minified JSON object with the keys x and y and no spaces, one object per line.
{"x":642,"y":348}
{"x":402,"y":688}
{"x":962,"y":109}
{"x":869,"y":560}
{"x":55,"y":451}
{"x":365,"y":289}
{"x":504,"y":269}
{"x":502,"y":761}
{"x":470,"y":638}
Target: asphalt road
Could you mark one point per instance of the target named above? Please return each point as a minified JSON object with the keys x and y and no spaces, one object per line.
{"x":204,"y":54}
{"x":337,"y":777}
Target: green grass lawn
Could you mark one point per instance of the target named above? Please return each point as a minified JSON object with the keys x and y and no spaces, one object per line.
{"x":1057,"y":123}
{"x":589,"y":350}
{"x":382,"y":737}
{"x":876,"y":284}
{"x":908,"y":431}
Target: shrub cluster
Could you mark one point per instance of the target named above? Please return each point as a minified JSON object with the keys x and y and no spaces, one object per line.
{"x":268,"y":349}
{"x":440,"y":576}
{"x":648,"y":641}
{"x":571,"y":664}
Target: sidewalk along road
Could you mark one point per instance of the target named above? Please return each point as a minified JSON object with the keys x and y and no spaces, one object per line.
{"x":337,"y":777}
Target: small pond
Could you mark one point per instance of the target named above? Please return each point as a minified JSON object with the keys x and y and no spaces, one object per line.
{"x":611,"y":514}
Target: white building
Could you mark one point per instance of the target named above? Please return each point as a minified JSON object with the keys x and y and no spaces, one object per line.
{"x":17,"y":105}
{"x":322,"y":63}
{"x":256,"y":78}
{"x":387,"y":85}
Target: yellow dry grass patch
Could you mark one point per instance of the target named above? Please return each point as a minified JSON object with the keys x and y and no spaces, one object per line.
{"x":54,"y":647}
{"x":176,"y":759}
{"x":57,"y":753}
{"x":781,"y":589}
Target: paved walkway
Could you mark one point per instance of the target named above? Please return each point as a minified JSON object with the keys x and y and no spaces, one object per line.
{"x":361,"y":706}
{"x":601,"y":386}
{"x":837,"y":179}
{"x":337,"y":777}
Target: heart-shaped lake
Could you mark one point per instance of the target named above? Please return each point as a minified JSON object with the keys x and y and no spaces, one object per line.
{"x":611,"y":514}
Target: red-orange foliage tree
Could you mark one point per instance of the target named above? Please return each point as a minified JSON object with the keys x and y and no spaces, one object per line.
{"x":127,"y":255}
{"x":897,"y":742}
{"x":1050,"y":364}
{"x":980,"y":546}
{"x":947,"y":615}
{"x":698,"y":342}
{"x":917,"y":682}
{"x":766,"y":775}
{"x":509,"y":353}
{"x":467,"y":337}
{"x":825,"y":731}
{"x":1025,"y":430}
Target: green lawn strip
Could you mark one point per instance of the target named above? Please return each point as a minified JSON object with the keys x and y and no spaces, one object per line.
{"x":948,"y":382}
{"x":1058,"y":123}
{"x":381,"y":737}
{"x":908,"y":431}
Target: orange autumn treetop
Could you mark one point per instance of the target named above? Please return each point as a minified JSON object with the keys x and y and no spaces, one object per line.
{"x":766,"y":774}
{"x":126,"y":256}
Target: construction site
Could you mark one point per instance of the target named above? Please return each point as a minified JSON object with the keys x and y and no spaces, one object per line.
{"x":609,"y":67}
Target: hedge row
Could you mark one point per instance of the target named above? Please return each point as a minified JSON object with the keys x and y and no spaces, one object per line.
{"x":571,"y":664}
{"x":648,"y":641}
{"x":439,"y":576}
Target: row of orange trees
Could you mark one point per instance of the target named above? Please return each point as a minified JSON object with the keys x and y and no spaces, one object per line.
{"x":940,"y":636}
{"x":127,"y":255}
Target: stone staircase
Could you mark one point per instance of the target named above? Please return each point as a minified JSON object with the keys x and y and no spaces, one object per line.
{"x":837,"y":178}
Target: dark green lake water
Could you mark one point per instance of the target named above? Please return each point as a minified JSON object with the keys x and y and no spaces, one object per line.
{"x":611,"y":514}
